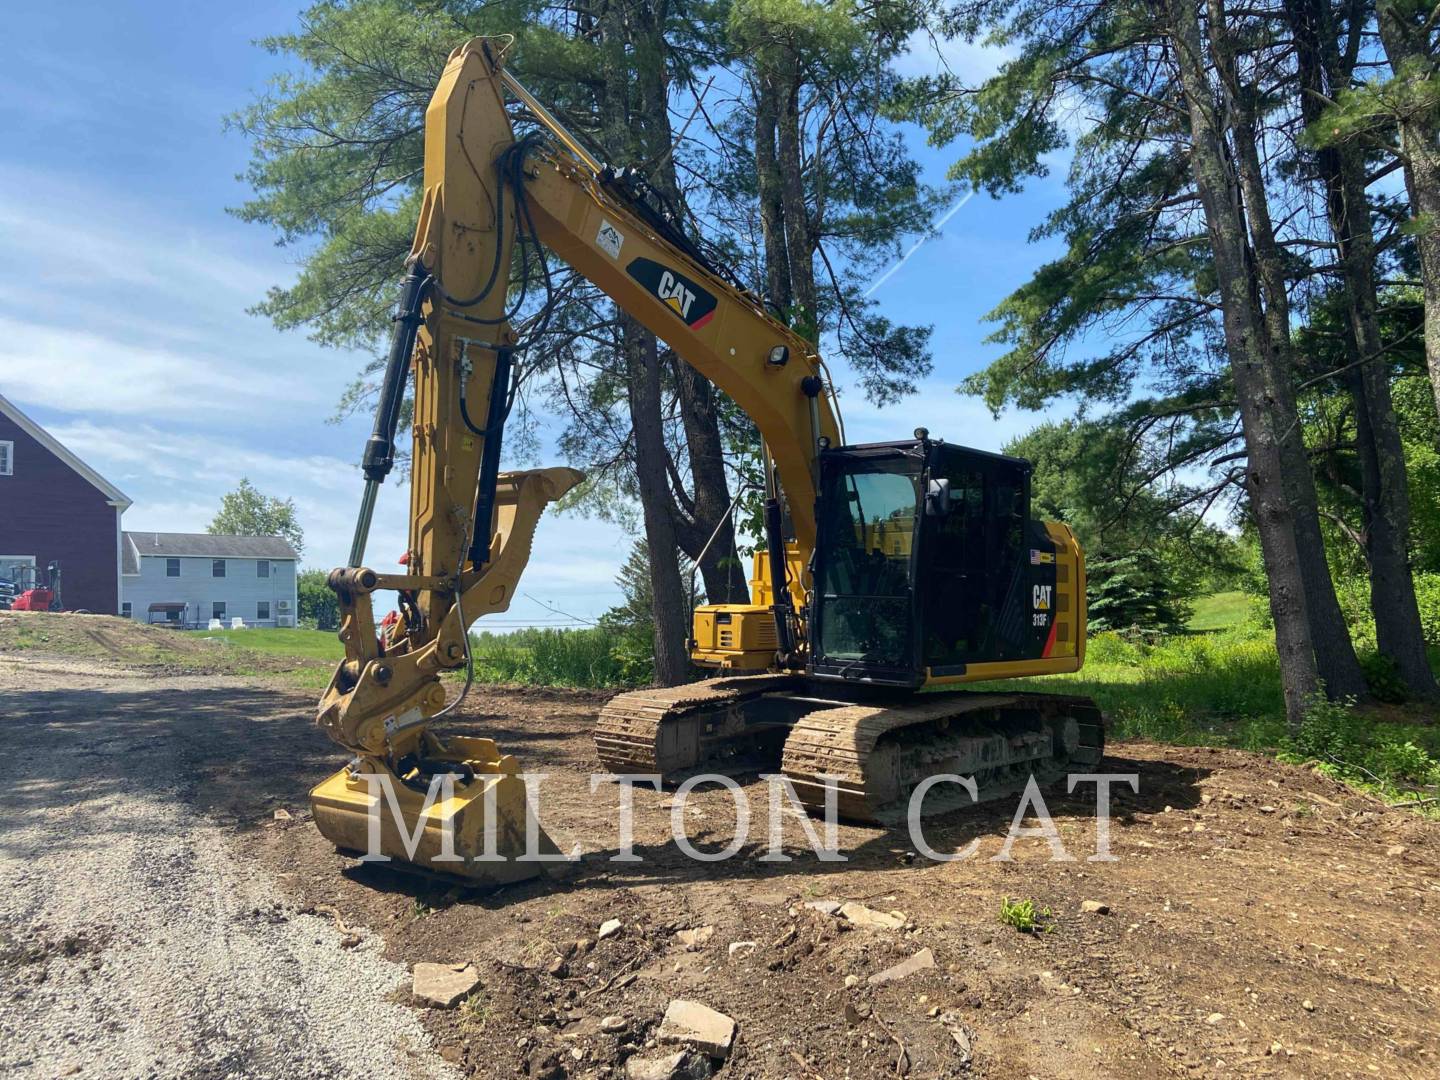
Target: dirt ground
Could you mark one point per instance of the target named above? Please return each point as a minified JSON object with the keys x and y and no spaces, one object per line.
{"x":1262,"y":920}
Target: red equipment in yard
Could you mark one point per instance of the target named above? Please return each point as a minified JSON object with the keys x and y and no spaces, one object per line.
{"x":41,"y":596}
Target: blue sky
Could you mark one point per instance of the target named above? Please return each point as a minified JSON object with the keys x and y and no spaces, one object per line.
{"x":123,"y":327}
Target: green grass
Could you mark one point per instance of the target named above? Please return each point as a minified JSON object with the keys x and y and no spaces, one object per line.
{"x":1221,"y":687}
{"x":1220,"y":611}
{"x":310,"y":644}
{"x":592,"y":657}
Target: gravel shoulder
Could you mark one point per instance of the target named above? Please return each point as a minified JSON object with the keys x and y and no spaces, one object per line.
{"x":138,"y":938}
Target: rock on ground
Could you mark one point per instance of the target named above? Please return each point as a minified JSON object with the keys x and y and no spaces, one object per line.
{"x":693,"y":1024}
{"x":684,"y":1065}
{"x":443,"y":985}
{"x":919,"y":962}
{"x":861,"y":915}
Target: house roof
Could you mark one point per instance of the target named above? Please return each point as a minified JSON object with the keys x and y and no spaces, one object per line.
{"x":113,"y":495}
{"x":202,"y":545}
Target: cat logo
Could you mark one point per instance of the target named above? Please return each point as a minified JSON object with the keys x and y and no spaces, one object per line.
{"x":690,"y":303}
{"x":1042,"y":597}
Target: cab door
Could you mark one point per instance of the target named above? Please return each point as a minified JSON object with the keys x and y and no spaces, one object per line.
{"x":972,"y":562}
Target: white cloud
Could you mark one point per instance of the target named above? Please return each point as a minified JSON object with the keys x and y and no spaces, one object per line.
{"x":971,"y":62}
{"x":956,"y":418}
{"x":72,"y":235}
{"x":86,"y":372}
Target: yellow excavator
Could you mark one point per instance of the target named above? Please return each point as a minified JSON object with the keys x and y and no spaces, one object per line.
{"x":887,"y":568}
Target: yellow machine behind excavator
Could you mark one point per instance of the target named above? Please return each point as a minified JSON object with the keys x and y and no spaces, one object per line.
{"x":886,"y":568}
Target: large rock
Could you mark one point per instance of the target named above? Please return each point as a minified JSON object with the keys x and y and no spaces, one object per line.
{"x":685,"y":1065}
{"x":697,"y":938}
{"x":443,"y":985}
{"x":688,"y":1023}
{"x":919,"y":962}
{"x":861,"y":915}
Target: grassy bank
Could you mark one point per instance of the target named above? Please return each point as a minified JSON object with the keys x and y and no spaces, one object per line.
{"x":310,"y":644}
{"x":1221,"y":611}
{"x":1222,"y":688}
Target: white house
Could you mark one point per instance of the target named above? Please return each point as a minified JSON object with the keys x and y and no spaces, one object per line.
{"x":187,"y":579}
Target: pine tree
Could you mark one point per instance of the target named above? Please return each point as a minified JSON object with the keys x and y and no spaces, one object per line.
{"x":1134,"y":593}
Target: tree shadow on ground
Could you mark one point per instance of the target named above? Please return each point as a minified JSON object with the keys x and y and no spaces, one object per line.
{"x":1161,"y":784}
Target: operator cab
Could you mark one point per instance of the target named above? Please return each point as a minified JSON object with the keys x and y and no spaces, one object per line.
{"x":926,"y":563}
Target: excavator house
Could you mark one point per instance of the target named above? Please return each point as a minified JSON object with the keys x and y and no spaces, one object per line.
{"x":886,"y":569}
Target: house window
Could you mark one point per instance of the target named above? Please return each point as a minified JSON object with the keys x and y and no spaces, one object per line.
{"x":262,"y":610}
{"x":7,"y":459}
{"x":172,"y":567}
{"x":18,"y":570}
{"x":217,"y":568}
{"x":125,"y":609}
{"x":217,"y":610}
{"x":262,"y":567}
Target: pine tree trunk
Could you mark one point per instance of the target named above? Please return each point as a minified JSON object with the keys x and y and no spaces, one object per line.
{"x":637,"y":109}
{"x":721,"y":568}
{"x":1407,"y":48}
{"x":1384,"y":485}
{"x":799,"y":245}
{"x":705,"y":450}
{"x":1330,"y":636}
{"x":1250,"y":358}
{"x":643,"y":385}
{"x":623,"y":140}
{"x":772,"y":214}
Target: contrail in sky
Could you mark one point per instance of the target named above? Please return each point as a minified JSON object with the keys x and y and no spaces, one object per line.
{"x":916,"y":246}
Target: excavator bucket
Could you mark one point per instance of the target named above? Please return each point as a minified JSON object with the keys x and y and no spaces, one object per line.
{"x":455,"y":806}
{"x":482,"y":829}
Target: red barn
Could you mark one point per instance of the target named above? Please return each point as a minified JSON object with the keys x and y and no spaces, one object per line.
{"x":55,"y":508}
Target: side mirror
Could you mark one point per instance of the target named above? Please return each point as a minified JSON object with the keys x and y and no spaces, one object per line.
{"x":937,"y":498}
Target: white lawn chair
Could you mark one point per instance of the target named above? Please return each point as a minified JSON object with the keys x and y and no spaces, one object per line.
{"x":237,"y":623}
{"x":216,"y":624}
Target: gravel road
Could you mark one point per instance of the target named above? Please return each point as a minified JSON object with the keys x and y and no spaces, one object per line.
{"x":134,"y":942}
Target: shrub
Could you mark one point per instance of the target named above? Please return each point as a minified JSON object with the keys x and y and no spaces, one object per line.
{"x":319,"y":608}
{"x":1427,"y":594}
{"x":1111,"y":648}
{"x":1354,"y":595}
{"x":1331,"y":731}
{"x":1405,"y":763}
{"x":1024,"y":916}
{"x":1382,"y":676}
{"x":594,"y":657}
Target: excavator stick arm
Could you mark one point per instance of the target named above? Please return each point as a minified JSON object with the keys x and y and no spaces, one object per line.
{"x":471,"y":526}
